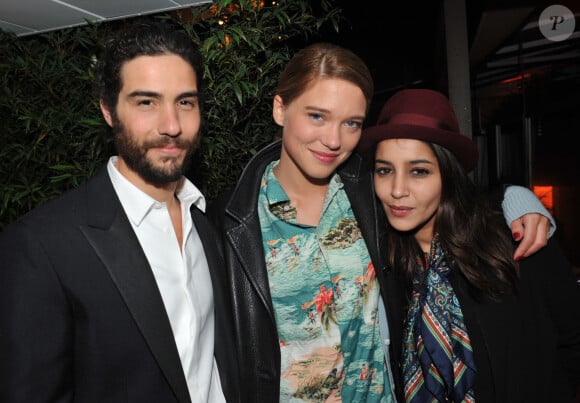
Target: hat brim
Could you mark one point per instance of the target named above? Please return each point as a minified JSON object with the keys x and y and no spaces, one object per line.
{"x":460,"y":145}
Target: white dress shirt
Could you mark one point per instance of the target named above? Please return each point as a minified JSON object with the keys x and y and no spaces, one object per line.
{"x":183,"y":278}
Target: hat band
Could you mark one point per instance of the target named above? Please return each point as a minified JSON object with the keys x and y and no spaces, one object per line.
{"x":415,"y":119}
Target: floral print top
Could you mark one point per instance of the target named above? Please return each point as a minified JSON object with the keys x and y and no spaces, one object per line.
{"x":325,"y":297}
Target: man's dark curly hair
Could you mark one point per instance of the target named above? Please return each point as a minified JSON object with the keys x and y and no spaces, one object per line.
{"x":147,"y":38}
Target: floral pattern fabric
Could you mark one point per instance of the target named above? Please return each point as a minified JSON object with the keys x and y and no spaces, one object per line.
{"x":325,"y":297}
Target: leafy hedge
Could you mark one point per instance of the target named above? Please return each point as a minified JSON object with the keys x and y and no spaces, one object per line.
{"x":53,"y":136}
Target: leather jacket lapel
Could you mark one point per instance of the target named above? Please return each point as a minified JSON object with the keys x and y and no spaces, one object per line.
{"x":243,"y":230}
{"x":247,"y":237}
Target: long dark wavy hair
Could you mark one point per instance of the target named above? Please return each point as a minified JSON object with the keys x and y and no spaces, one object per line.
{"x":471,"y":231}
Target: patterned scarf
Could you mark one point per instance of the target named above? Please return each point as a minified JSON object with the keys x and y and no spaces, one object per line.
{"x":438,"y":359}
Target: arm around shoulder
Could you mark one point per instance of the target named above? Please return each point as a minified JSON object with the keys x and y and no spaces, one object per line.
{"x":519,"y":201}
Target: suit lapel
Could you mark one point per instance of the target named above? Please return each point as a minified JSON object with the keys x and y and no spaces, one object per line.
{"x":114,"y":241}
{"x":224,"y":350}
{"x":208,"y":238}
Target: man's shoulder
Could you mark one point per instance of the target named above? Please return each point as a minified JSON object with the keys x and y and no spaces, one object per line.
{"x":62,"y":208}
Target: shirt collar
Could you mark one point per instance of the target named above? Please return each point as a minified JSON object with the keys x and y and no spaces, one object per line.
{"x":137,"y":203}
{"x":273,"y":190}
{"x":276,"y":194}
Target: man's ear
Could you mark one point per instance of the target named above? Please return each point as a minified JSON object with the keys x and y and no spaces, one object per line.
{"x":278,"y":110}
{"x":106,"y":113}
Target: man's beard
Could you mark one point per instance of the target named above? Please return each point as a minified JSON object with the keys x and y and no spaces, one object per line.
{"x":135,"y":155}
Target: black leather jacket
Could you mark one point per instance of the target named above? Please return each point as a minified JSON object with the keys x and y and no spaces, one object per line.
{"x":236,"y":215}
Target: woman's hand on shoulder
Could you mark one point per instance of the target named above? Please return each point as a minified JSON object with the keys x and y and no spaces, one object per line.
{"x":531,"y":231}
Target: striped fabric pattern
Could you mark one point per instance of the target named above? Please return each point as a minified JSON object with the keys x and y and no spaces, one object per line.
{"x":438,"y":358}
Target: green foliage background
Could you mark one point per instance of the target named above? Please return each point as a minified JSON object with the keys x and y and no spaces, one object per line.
{"x":53,"y":137}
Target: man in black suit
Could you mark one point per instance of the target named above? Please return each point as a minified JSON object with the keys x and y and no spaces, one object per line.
{"x":114,"y":292}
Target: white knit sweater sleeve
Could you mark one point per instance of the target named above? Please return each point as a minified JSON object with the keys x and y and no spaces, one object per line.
{"x":519,"y":200}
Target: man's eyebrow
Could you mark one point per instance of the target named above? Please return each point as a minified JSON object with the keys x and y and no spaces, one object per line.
{"x":152,"y":94}
{"x":188,"y":94}
{"x":149,"y":94}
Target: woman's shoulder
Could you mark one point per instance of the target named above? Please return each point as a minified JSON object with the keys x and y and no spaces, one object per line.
{"x":552,"y":255}
{"x":551,"y":273}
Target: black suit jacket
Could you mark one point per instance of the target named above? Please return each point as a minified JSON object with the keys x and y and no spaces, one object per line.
{"x":81,"y":316}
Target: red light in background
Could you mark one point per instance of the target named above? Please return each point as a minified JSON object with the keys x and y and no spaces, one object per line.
{"x":519,"y":77}
{"x":545,"y":194}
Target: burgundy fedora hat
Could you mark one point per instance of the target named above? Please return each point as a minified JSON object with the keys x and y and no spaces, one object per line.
{"x":421,"y":114}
